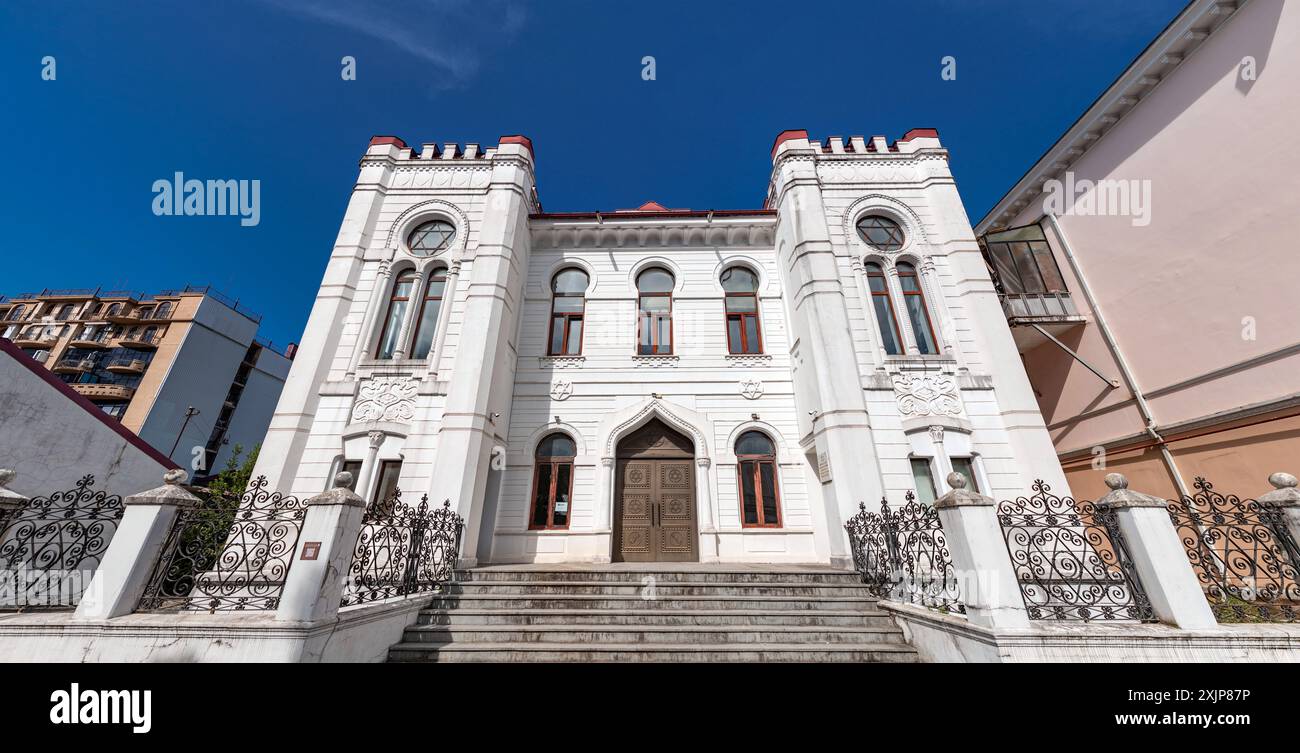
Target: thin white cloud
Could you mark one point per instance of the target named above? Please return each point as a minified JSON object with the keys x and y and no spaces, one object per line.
{"x":447,"y":33}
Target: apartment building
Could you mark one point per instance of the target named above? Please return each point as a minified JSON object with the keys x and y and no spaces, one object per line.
{"x":183,"y":369}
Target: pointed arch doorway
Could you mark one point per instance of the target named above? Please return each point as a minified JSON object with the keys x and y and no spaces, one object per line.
{"x":654,"y":497}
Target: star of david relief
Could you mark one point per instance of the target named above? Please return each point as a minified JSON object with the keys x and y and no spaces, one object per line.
{"x":431,"y":237}
{"x":561,"y":390}
{"x":927,"y":395}
{"x":751,"y":389}
{"x":385,"y":399}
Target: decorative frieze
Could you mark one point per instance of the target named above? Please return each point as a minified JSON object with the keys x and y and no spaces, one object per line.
{"x":928,"y":394}
{"x":386,"y":399}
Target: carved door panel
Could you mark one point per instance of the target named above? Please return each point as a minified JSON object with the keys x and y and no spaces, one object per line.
{"x":675,"y":512}
{"x":634,"y":513}
{"x":655,"y":512}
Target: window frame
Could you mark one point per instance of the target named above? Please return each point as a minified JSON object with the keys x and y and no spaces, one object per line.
{"x":758,"y":460}
{"x":554,"y":463}
{"x":897,"y":227}
{"x":889,"y":303}
{"x":568,"y":316}
{"x":376,"y":498}
{"x":422,"y":253}
{"x":741,"y":316}
{"x":655,"y":317}
{"x":436,"y":274}
{"x":394,"y":299}
{"x":915,"y":274}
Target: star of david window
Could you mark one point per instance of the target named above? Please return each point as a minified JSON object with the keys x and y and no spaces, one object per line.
{"x":431,"y":237}
{"x":881,"y":233}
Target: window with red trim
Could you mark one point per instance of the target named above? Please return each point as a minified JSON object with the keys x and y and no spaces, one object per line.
{"x":552,"y":482}
{"x":743,"y":328}
{"x":760,"y":498}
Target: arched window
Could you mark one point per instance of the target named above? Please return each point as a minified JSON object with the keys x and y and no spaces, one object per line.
{"x":568,"y":302}
{"x":65,"y":311}
{"x":760,"y":502}
{"x":655,"y":303}
{"x":881,"y":233}
{"x":427,"y":325}
{"x":741,"y":286}
{"x":884,"y":306}
{"x":431,"y":237}
{"x":163,"y":310}
{"x":397,"y":303}
{"x":552,"y":482}
{"x":113,"y":309}
{"x":917,"y":312}
{"x":17,"y":313}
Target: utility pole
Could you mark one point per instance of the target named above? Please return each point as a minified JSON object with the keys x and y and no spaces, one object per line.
{"x":190,"y":412}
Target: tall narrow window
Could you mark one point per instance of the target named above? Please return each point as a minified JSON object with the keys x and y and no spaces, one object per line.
{"x":397,"y":303}
{"x":884,"y":306}
{"x":917,"y":312}
{"x":353,"y":467}
{"x":427,"y":325}
{"x":552,"y":482}
{"x":655,"y":322}
{"x":760,"y":502}
{"x":17,"y":313}
{"x":741,"y":286}
{"x":568,"y":303}
{"x":923,"y":479}
{"x":389,"y":473}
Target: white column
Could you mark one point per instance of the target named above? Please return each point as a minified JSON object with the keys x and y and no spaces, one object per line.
{"x":979,"y":557}
{"x":444,"y":316}
{"x":367,"y":472}
{"x":942,"y":463}
{"x":123,"y":573}
{"x":604,"y":495}
{"x":940,"y":316}
{"x":376,"y":303}
{"x":706,"y":515}
{"x":1286,"y":499}
{"x":1158,"y":556}
{"x":10,"y":501}
{"x":314,"y":586}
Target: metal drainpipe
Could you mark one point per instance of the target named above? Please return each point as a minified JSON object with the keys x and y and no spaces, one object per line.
{"x":1113,"y":346}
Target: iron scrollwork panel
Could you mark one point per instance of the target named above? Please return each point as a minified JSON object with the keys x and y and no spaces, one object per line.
{"x":1071,"y":560}
{"x":228,"y":555}
{"x":51,"y":546}
{"x":902,"y":555}
{"x":403,"y":550}
{"x":1241,"y":552}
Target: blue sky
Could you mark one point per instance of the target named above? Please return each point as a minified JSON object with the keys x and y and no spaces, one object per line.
{"x":250,"y":89}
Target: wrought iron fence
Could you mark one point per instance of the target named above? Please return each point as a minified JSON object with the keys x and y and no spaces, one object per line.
{"x":902,"y":555}
{"x":1070,"y":559}
{"x":51,"y":546}
{"x":403,"y":550}
{"x":1242,"y":553}
{"x":226,"y":554}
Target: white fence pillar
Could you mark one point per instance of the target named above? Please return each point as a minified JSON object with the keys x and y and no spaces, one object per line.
{"x":314,"y":586}
{"x":10,"y":501}
{"x":1158,"y":556}
{"x":1285,"y":498}
{"x":123,"y":573}
{"x":979,"y":557}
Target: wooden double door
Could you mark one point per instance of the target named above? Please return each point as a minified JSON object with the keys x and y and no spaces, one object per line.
{"x":654,"y":498}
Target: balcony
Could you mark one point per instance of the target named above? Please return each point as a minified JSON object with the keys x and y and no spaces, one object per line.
{"x":35,"y":341}
{"x":105,"y":392}
{"x":127,"y":365}
{"x":74,"y":366}
{"x":143,"y":341}
{"x":1039,"y":308}
{"x":86,"y":340}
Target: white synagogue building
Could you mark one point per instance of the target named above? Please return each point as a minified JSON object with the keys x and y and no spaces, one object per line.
{"x":658,"y":384}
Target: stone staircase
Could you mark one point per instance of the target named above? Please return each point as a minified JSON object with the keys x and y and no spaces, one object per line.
{"x":649,"y":613}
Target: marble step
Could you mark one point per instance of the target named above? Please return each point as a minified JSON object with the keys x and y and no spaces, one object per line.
{"x":623,"y":575}
{"x":655,"y":589}
{"x":666,"y":652}
{"x":642,"y":634}
{"x":654,"y":617}
{"x":632,"y":601}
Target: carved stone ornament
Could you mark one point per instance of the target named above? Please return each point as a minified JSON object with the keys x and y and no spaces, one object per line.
{"x":927,"y":394}
{"x":751,"y":389}
{"x":561,"y":390}
{"x":386,"y":399}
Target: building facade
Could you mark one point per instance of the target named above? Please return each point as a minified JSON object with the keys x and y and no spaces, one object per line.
{"x":1152,"y":307}
{"x":658,"y":384}
{"x":147,"y":360}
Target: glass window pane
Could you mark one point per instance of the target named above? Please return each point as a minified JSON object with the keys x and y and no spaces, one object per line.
{"x":751,"y":334}
{"x":392,"y":328}
{"x":353,"y":467}
{"x":754,"y":443}
{"x":557,"y":335}
{"x":767,"y":477}
{"x":656,"y":303}
{"x":575,"y":336}
{"x":923,"y":479}
{"x":403,"y":287}
{"x":563,"y":479}
{"x":733,"y":335}
{"x":1006,"y":269}
{"x":542,"y":498}
{"x":569,"y":304}
{"x":748,"y":501}
{"x":888,"y":328}
{"x":654,"y":281}
{"x":437,"y":286}
{"x":1028,"y":268}
{"x":389,"y":472}
{"x":966,"y":467}
{"x":1047,"y":267}
{"x":920,"y":326}
{"x":645,"y":342}
{"x":742,"y":303}
{"x":427,"y":328}
{"x":664,"y":343}
{"x":556,"y":446}
{"x":570,"y":281}
{"x":739,"y":280}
